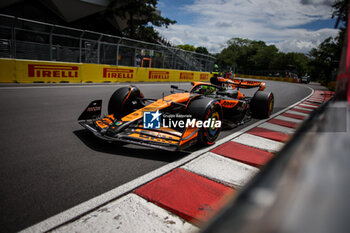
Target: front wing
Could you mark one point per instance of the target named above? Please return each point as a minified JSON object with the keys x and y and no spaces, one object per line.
{"x":163,"y":138}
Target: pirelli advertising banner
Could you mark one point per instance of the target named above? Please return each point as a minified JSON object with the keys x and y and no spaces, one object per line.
{"x":27,"y":71}
{"x":160,"y":75}
{"x":108,"y":74}
{"x":47,"y":72}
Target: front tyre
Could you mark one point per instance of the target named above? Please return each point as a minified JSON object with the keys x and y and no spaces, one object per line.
{"x":206,"y":110}
{"x":262,"y":104}
{"x":124,"y":101}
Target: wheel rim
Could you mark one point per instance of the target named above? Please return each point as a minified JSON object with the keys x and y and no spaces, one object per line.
{"x":212,"y":130}
{"x":271,"y":103}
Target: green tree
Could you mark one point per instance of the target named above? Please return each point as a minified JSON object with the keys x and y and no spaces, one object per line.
{"x":300,"y":61}
{"x":325,"y":59}
{"x":263,"y":55}
{"x":233,"y":53}
{"x":250,"y":55}
{"x":202,"y":50}
{"x":139,"y":15}
{"x":187,"y":47}
{"x":283,"y":61}
{"x":340,"y":11}
{"x":247,"y":54}
{"x":146,"y":33}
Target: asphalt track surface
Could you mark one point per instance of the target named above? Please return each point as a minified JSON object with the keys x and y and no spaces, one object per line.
{"x":48,"y":163}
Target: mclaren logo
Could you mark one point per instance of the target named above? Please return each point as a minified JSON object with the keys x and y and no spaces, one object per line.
{"x":228,"y":104}
{"x":52,"y":71}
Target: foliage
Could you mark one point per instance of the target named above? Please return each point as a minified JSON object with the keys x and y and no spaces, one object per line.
{"x":202,"y":50}
{"x":146,"y":33}
{"x":324,"y":60}
{"x":187,"y":47}
{"x":297,"y":62}
{"x":250,"y":55}
{"x":140,"y":15}
{"x":340,"y":11}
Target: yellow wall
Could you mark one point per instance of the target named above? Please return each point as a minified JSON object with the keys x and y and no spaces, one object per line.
{"x":7,"y":71}
{"x":27,"y":71}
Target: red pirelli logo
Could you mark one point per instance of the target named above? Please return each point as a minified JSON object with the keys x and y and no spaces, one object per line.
{"x":52,"y":71}
{"x":204,"y":76}
{"x":158,"y":75}
{"x":186,"y":76}
{"x":118,"y":73}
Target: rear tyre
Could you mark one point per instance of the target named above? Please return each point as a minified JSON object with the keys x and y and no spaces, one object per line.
{"x":124,"y":101}
{"x":262,"y":104}
{"x":206,"y":109}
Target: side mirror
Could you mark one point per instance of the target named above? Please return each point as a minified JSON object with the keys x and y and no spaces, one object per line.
{"x":174,"y":87}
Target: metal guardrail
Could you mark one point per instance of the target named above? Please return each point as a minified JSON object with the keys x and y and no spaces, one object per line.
{"x":27,"y":39}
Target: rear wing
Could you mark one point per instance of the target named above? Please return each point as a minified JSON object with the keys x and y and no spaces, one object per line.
{"x":240,"y":83}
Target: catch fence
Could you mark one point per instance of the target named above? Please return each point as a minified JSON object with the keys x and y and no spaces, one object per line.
{"x":27,"y":39}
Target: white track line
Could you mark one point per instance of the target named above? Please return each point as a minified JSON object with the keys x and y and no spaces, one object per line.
{"x":297,"y":113}
{"x":223,"y":170}
{"x":283,"y":118}
{"x":259,"y":142}
{"x":308,"y":105}
{"x":305,"y":109}
{"x":277,"y":128}
{"x":319,"y":101}
{"x":85,"y":207}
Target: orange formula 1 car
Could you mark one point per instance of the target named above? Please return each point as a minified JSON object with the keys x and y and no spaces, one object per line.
{"x":179,"y":120}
